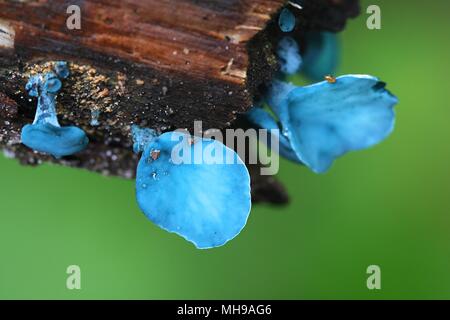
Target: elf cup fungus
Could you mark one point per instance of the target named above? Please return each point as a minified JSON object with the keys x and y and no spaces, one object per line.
{"x":45,"y":134}
{"x":200,"y":191}
{"x":323,"y":121}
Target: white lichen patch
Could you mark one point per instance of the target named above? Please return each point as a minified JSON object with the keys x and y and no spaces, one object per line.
{"x":7,"y":35}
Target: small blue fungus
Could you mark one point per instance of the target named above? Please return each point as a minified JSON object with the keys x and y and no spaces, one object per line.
{"x":206,"y":202}
{"x":286,"y":20}
{"x":322,"y":122}
{"x":95,"y":114}
{"x":32,"y":86}
{"x":45,"y":134}
{"x":321,"y":56}
{"x":142,"y":138}
{"x":62,"y":70}
{"x":289,"y":56}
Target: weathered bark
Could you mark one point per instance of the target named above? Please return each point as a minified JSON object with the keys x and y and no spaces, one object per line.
{"x":156,"y":63}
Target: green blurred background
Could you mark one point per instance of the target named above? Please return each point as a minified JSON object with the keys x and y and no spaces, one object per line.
{"x":388,"y":206}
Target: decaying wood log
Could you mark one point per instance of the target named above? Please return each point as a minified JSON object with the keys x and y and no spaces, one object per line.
{"x":155,"y":63}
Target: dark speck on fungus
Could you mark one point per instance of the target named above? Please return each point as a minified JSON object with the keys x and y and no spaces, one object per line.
{"x":155,"y":154}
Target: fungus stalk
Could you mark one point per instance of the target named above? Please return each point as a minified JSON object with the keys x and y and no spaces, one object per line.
{"x":46,"y":107}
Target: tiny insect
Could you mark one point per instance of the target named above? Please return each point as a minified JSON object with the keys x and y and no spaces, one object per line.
{"x":330,"y":79}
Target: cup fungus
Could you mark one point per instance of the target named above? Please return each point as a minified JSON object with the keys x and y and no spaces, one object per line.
{"x":205,"y":198}
{"x":321,"y":122}
{"x":45,"y":134}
